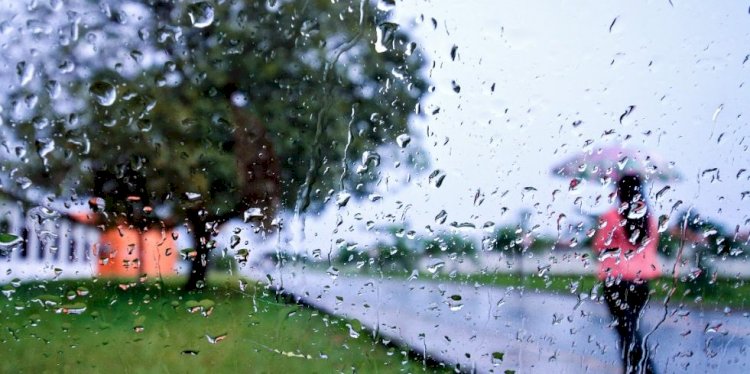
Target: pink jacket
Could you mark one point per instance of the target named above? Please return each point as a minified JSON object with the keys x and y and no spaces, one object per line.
{"x":622,"y":258}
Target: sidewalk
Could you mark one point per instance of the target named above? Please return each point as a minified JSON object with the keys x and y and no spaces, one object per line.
{"x":532,"y":332}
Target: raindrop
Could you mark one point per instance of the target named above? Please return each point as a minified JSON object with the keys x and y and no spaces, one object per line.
{"x":716,"y":112}
{"x":45,"y":147}
{"x":627,"y":112}
{"x":201,"y":14}
{"x":663,"y":223}
{"x":333,"y":272}
{"x":25,"y":72}
{"x":77,"y":308}
{"x":662,"y":192}
{"x":436,"y":178}
{"x":8,"y":291}
{"x":136,"y":55}
{"x":234,"y":241}
{"x":441,"y":217}
{"x":386,"y":5}
{"x":403,"y":140}
{"x":192,"y":196}
{"x":215,"y":339}
{"x":252,"y":213}
{"x":455,"y":303}
{"x":239,"y":99}
{"x":241,"y":255}
{"x":66,"y":66}
{"x":104,"y":93}
{"x":53,"y":89}
{"x":497,"y":358}
{"x":9,"y":240}
{"x":435,"y":266}
{"x":343,"y":198}
{"x":638,"y":211}
{"x":386,"y":32}
{"x":456,"y":87}
{"x":23,"y":182}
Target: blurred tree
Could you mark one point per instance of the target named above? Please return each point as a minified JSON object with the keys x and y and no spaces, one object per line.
{"x":452,"y":244}
{"x":203,"y":111}
{"x":708,"y":240}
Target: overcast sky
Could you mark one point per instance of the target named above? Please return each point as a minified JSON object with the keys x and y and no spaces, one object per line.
{"x":683,"y":68}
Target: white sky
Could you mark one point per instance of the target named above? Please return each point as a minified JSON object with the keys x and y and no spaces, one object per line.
{"x":554,"y":63}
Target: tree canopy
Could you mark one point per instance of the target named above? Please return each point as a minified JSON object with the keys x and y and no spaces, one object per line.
{"x":210,"y":107}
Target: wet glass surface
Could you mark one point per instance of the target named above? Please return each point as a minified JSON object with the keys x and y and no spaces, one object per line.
{"x":374,"y":186}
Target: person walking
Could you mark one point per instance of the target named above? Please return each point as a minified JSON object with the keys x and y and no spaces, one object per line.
{"x":626,"y":242}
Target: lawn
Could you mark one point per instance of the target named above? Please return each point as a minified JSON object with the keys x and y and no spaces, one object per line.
{"x":717,"y":294}
{"x":133,"y":327}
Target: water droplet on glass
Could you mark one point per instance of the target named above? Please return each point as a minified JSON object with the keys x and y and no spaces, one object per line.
{"x":215,"y":339}
{"x":403,"y":140}
{"x":638,"y":211}
{"x":663,"y":222}
{"x":441,"y":217}
{"x":343,"y":198}
{"x":333,"y":272}
{"x":201,"y":14}
{"x":53,"y":89}
{"x":435,"y":266}
{"x":8,"y":291}
{"x":77,"y":308}
{"x":25,"y":72}
{"x":136,"y":55}
{"x":436,"y":178}
{"x":7,"y":241}
{"x":192,"y":196}
{"x":386,"y":5}
{"x":252,"y":213}
{"x":386,"y":32}
{"x":455,"y":303}
{"x":104,"y":93}
{"x":497,"y":358}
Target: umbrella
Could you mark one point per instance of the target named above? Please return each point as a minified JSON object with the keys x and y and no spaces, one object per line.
{"x":612,"y":162}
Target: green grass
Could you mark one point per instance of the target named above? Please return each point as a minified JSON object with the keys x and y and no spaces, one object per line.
{"x":723,"y":292}
{"x":718,"y":294}
{"x":148,"y":328}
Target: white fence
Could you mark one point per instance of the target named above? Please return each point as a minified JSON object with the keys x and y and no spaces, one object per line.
{"x":53,"y":247}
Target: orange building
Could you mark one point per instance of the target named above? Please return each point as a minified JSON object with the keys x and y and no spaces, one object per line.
{"x":126,"y":252}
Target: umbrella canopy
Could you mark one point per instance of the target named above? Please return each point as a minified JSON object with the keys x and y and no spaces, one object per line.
{"x":610,"y":163}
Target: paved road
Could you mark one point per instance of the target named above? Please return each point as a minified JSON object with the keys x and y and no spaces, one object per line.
{"x":535,"y":332}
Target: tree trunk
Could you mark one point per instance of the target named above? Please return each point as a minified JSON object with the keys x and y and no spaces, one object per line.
{"x":199,"y":262}
{"x":258,"y":169}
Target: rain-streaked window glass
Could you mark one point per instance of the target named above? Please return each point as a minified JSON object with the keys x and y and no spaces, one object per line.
{"x":374,"y":186}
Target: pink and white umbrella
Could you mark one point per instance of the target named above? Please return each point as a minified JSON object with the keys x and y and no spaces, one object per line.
{"x":609,"y":163}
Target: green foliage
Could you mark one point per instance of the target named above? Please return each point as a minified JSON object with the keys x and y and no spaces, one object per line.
{"x":450,"y":244}
{"x":669,"y":244}
{"x":508,"y":239}
{"x":261,"y":96}
{"x":399,"y":255}
{"x":395,"y":257}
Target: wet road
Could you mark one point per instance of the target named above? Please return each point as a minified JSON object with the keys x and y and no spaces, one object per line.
{"x":532,"y":332}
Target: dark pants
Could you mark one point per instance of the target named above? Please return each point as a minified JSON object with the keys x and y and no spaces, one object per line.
{"x":626,"y":301}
